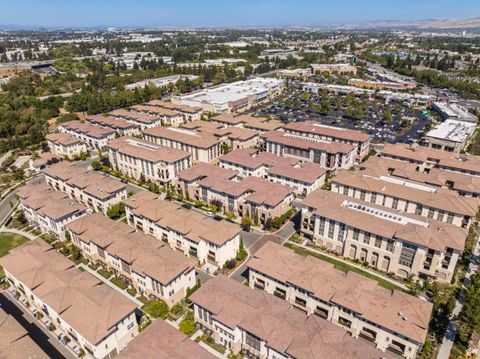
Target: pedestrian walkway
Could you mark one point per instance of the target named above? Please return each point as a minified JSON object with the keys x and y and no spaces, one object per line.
{"x":19,"y":232}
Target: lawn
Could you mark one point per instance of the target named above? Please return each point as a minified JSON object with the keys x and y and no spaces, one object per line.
{"x":474,"y":147}
{"x":343,"y":266}
{"x":9,"y":241}
{"x":104,"y":273}
{"x":119,"y":282}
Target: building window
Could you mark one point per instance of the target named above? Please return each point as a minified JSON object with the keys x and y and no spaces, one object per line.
{"x":356,"y":234}
{"x":252,"y":341}
{"x":407,"y":255}
{"x":395,"y":203}
{"x":378,"y":242}
{"x":390,"y":245}
{"x":366,"y":238}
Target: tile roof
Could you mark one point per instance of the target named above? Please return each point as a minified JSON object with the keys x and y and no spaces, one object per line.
{"x":315,"y":127}
{"x":175,"y":107}
{"x":111,"y":122}
{"x":87,"y":129}
{"x":187,"y":137}
{"x":135,"y":116}
{"x":61,"y":138}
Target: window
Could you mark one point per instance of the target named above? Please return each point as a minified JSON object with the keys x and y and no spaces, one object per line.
{"x":430,"y":213}
{"x":366,"y":238}
{"x":331,"y":229}
{"x":252,"y":341}
{"x":390,"y":245}
{"x":373,"y":198}
{"x":395,"y":203}
{"x":378,"y":242}
{"x":407,"y":255}
{"x":356,"y":234}
{"x":418,"y":210}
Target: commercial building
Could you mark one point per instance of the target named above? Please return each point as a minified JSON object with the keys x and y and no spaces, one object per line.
{"x":259,"y":124}
{"x":423,"y":200}
{"x":167,"y":117}
{"x":382,"y":85}
{"x":93,"y":136}
{"x":97,"y":191}
{"x":65,"y":145}
{"x":233,"y":97}
{"x":136,"y":158}
{"x":453,"y":111}
{"x":394,"y":321}
{"x":153,"y":268}
{"x":451,"y":135}
{"x":192,"y":233}
{"x":327,"y":154}
{"x":99,"y":319}
{"x":389,"y":240}
{"x":203,"y":147}
{"x":48,"y":209}
{"x":303,"y":177}
{"x":160,"y":340}
{"x":189,"y":113}
{"x":258,"y":324}
{"x":313,"y":130}
{"x":143,"y":120}
{"x":256,"y":197}
{"x":160,"y":81}
{"x":334,"y":68}
{"x":120,"y":126}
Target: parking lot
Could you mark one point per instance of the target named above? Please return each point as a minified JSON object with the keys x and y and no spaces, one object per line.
{"x":368,"y":115}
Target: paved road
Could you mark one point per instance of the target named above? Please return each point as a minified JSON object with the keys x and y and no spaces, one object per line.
{"x":40,"y":335}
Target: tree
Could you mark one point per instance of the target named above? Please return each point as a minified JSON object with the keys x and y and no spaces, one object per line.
{"x":158,"y":309}
{"x":246,"y":223}
{"x":96,"y":165}
{"x":187,"y":325}
{"x":116,"y":211}
{"x":242,"y":252}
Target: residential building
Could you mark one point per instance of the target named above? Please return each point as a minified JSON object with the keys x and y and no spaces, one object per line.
{"x":120,"y":126}
{"x":43,"y":160}
{"x":153,"y":268}
{"x":394,"y":321}
{"x":252,"y":196}
{"x":136,"y":158}
{"x":65,"y":145}
{"x":420,"y":199}
{"x":99,"y":319}
{"x":143,"y":120}
{"x":259,"y":124}
{"x":167,"y":116}
{"x":203,"y":147}
{"x":95,"y":190}
{"x":192,"y":233}
{"x":389,"y":240}
{"x":48,"y":209}
{"x":160,"y":340}
{"x":334,"y":68}
{"x":303,"y":177}
{"x":189,"y":113}
{"x":258,"y":324}
{"x":93,"y":136}
{"x":329,"y":155}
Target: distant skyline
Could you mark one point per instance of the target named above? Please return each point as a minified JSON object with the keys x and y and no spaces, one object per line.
{"x":225,"y":13}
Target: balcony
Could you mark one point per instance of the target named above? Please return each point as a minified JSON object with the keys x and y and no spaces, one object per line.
{"x":280,"y":294}
{"x":259,"y":285}
{"x":320,"y":312}
{"x":396,"y":348}
{"x":368,"y":335}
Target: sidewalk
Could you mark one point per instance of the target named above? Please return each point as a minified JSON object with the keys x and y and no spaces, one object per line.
{"x":19,"y":232}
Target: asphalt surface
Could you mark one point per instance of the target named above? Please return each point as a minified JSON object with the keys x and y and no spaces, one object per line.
{"x":47,"y":343}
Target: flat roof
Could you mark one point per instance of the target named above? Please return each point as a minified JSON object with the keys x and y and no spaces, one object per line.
{"x":452,"y":131}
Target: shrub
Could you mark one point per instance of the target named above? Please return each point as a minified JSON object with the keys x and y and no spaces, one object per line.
{"x":242,"y":252}
{"x":157,"y":309}
{"x":187,"y":325}
{"x":116,"y":211}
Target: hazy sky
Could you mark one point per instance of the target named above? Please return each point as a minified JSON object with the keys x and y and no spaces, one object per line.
{"x":89,"y":13}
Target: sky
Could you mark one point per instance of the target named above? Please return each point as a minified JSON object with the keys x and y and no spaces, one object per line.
{"x":224,"y":13}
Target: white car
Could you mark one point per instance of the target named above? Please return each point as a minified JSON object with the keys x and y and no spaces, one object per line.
{"x":210,"y":214}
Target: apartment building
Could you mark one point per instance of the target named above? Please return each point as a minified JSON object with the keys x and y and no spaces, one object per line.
{"x":388,"y":240}
{"x":329,"y":155}
{"x":135,"y":157}
{"x":316,"y":131}
{"x":65,"y":145}
{"x":423,"y":200}
{"x":188,"y":113}
{"x":153,"y":268}
{"x":160,"y":340}
{"x":251,"y":196}
{"x":259,"y":124}
{"x":192,"y":233}
{"x":232,"y":137}
{"x":142,"y":120}
{"x":303,"y":177}
{"x":463,"y":184}
{"x":43,"y":160}
{"x":427,"y":158}
{"x":258,"y":324}
{"x":97,"y":191}
{"x":97,"y":318}
{"x":394,"y":321}
{"x":47,"y":209}
{"x":203,"y":147}
{"x":93,"y":136}
{"x":120,"y":126}
{"x":168,"y":117}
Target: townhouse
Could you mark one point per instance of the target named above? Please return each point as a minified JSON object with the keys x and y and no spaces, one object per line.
{"x":48,"y":209}
{"x":42,"y":160}
{"x":394,"y":321}
{"x":329,"y":155}
{"x":203,"y":147}
{"x":232,"y":137}
{"x":95,"y":190}
{"x":427,"y":158}
{"x":142,"y":120}
{"x":95,"y":137}
{"x":152,"y":267}
{"x":190,"y":232}
{"x":160,"y":340}
{"x":97,"y":318}
{"x":389,"y":240}
{"x":316,"y":131}
{"x":427,"y":201}
{"x":189,"y":113}
{"x":259,"y":124}
{"x":120,"y":126}
{"x":168,"y":117}
{"x":260,"y":325}
{"x":136,"y":158}
{"x":252,"y":196}
{"x":463,"y":184}
{"x":65,"y":145}
{"x":303,"y":177}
